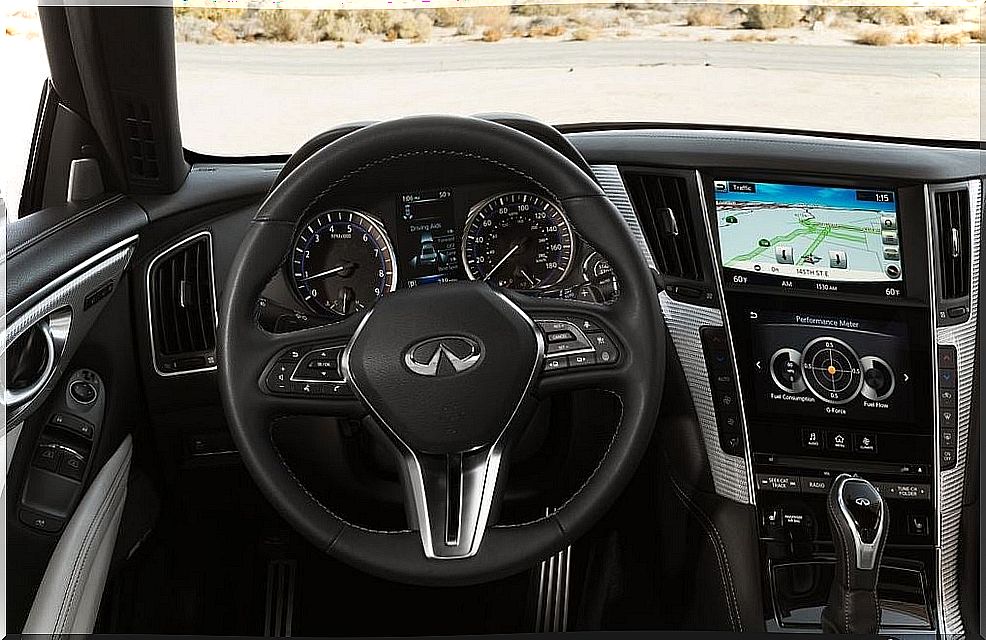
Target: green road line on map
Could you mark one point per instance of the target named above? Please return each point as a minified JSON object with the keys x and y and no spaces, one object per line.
{"x":773,"y":241}
{"x":814,"y":245}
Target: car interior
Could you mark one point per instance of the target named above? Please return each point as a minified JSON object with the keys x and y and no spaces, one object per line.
{"x":455,"y":375}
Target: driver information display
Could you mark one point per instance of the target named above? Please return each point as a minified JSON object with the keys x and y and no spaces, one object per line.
{"x":824,"y":234}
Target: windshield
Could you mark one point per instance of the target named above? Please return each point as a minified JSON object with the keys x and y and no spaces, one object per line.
{"x":257,"y":81}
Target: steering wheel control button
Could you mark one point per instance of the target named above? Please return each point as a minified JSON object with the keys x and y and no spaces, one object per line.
{"x":72,"y":423}
{"x":83,"y":392}
{"x":555,"y":363}
{"x":583,"y":340}
{"x":319,"y":365}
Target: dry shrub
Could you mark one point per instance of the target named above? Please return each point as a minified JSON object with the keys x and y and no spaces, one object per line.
{"x":548,"y":9}
{"x":877,"y":38}
{"x":492,"y":34}
{"x":754,"y":36}
{"x":705,"y":16}
{"x":772,"y":16}
{"x":946,"y":15}
{"x":213,"y":14}
{"x":978,"y":34}
{"x":222,"y":33}
{"x":955,"y":38}
{"x":286,"y":25}
{"x":913,"y":36}
{"x":886,"y":15}
{"x":584,"y":33}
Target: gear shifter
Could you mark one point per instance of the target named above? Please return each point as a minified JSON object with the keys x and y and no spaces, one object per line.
{"x":858,"y":518}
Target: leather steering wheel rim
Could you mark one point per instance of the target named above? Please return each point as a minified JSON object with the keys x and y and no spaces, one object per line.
{"x":244,"y":348}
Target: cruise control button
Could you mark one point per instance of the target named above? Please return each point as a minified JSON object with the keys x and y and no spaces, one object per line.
{"x":560,"y":336}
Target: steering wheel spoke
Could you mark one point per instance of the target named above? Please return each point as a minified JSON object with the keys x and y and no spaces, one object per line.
{"x":452,"y":497}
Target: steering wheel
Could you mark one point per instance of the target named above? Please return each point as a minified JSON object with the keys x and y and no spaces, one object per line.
{"x":449,"y":373}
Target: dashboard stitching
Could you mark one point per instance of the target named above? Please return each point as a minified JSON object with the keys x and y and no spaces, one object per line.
{"x":312,"y":497}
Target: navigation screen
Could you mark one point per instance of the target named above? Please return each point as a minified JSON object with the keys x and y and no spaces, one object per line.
{"x":824,"y":234}
{"x":426,"y":238}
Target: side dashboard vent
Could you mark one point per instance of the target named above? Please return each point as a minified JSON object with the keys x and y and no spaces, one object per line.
{"x":182,"y":307}
{"x":664,"y":211}
{"x":952,"y":214}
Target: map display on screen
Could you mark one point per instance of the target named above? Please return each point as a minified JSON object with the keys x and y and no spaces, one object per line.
{"x":806,"y":231}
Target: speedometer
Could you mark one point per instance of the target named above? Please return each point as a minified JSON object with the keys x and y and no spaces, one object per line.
{"x":341,"y":262}
{"x":518,"y":241}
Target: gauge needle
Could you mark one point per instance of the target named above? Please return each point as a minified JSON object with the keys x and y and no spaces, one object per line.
{"x":329,"y":272}
{"x":527,"y":277}
{"x":512,"y":251}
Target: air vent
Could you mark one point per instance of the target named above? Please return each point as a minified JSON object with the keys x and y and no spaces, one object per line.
{"x":952,"y":220}
{"x":662,"y":206}
{"x":182,"y":304}
{"x":141,"y":145}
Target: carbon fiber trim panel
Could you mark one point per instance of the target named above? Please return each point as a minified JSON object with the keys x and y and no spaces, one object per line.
{"x":950,"y":482}
{"x":684,"y":322}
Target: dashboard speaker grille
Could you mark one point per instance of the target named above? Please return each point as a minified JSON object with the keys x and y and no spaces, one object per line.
{"x":182,"y":307}
{"x":662,"y":206}
{"x":952,"y":219}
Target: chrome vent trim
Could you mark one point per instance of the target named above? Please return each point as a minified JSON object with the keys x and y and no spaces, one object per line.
{"x":684,"y":321}
{"x":150,"y":304}
{"x":950,"y":482}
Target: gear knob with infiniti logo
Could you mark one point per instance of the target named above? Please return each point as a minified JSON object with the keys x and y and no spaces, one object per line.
{"x":859,"y":521}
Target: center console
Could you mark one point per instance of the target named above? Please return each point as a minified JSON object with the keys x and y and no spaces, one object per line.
{"x":827,"y":302}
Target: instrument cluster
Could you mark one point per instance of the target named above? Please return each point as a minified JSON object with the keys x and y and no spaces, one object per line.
{"x":345,"y":257}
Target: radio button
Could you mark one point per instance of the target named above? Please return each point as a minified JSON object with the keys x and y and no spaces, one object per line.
{"x":815,"y":485}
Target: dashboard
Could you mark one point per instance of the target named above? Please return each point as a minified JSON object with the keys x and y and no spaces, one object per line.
{"x":361,"y":245}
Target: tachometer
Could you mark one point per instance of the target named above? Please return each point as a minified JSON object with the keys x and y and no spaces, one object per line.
{"x":341,"y":262}
{"x":518,"y":241}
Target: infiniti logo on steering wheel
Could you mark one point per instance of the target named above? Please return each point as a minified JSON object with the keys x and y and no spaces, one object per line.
{"x":444,"y":356}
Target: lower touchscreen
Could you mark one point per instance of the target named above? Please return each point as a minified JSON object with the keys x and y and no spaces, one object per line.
{"x":814,"y":365}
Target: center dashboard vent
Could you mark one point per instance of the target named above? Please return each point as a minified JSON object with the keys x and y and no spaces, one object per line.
{"x":182,"y":306}
{"x":662,"y":205}
{"x":952,"y":220}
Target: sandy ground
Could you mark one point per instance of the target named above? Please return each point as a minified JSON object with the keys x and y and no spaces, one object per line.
{"x":281,"y":103}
